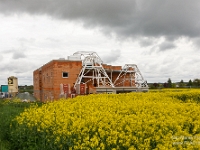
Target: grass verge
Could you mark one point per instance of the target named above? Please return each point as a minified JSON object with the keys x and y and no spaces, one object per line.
{"x":9,"y":109}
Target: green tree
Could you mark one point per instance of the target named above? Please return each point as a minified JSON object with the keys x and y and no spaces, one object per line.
{"x":196,"y":82}
{"x":181,"y":83}
{"x":173,"y":85}
{"x":169,"y":83}
{"x":190,"y":83}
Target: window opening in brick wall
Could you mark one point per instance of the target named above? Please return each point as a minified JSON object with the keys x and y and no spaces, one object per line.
{"x":65,"y":74}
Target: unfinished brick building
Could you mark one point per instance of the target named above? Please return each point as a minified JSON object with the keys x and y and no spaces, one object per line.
{"x":84,"y":73}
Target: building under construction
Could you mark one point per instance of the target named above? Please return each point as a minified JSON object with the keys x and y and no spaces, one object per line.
{"x":85,"y":73}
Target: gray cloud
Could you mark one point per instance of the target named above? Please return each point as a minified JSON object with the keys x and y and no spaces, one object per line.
{"x":17,"y":66}
{"x":17,"y":55}
{"x":111,"y":56}
{"x":197,"y":42}
{"x":144,"y":42}
{"x":155,"y":25}
{"x":8,"y":51}
{"x":1,"y":57}
{"x":128,"y":18}
{"x":166,"y":45}
{"x":163,"y":46}
{"x":26,"y":40}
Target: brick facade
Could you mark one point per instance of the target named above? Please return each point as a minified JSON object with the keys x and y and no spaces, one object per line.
{"x":47,"y":79}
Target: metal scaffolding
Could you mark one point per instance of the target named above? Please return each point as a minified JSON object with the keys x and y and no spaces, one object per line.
{"x":132,"y":74}
{"x":92,"y":70}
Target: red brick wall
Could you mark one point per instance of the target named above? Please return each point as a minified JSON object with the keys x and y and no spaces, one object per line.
{"x":48,"y":78}
{"x":73,"y":68}
{"x":51,"y":77}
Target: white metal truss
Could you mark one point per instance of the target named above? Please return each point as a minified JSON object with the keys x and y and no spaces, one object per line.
{"x":92,"y":70}
{"x":130,"y":73}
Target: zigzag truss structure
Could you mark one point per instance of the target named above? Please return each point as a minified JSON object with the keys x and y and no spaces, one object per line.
{"x":128,"y":79}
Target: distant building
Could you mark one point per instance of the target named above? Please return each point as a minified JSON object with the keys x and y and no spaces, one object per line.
{"x":84,"y":73}
{"x":13,"y":85}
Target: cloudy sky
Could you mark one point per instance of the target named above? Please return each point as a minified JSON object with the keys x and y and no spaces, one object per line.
{"x":161,"y":37}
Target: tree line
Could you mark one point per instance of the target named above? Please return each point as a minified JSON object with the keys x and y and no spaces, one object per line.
{"x":190,"y":84}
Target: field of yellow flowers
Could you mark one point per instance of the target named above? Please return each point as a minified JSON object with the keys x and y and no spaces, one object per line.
{"x":165,"y":119}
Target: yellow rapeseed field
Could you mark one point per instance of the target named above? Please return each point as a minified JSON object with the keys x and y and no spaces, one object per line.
{"x":165,"y":119}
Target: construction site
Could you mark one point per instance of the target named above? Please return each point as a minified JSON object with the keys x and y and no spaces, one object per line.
{"x":85,"y":73}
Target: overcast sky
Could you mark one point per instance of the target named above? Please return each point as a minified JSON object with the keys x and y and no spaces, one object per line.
{"x":161,"y":36}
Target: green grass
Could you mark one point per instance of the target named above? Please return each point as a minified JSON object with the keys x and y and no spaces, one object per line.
{"x":8,"y":111}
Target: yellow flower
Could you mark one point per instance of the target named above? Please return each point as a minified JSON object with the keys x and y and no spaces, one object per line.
{"x":117,"y":120}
